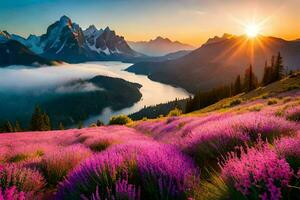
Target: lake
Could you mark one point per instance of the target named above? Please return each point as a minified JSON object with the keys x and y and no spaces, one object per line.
{"x":22,"y":79}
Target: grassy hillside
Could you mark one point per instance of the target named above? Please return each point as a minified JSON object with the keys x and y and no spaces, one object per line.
{"x":248,"y":149}
{"x":291,"y":83}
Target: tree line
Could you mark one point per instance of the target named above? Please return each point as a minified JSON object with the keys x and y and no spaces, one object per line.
{"x":40,"y":121}
{"x":272,"y":73}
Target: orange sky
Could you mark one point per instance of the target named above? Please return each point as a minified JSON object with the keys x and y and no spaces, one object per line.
{"x":281,"y":19}
{"x":189,"y":21}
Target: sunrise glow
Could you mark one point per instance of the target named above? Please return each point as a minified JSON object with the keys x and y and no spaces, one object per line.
{"x":252,"y":30}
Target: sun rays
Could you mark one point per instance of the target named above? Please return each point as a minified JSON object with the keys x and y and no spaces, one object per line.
{"x":252,"y":30}
{"x":252,"y":42}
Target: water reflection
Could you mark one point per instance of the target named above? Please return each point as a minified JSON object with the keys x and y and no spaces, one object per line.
{"x":22,"y":79}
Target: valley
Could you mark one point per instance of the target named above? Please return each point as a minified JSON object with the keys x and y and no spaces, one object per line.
{"x":149,"y":100}
{"x":220,"y":60}
{"x":225,"y":142}
{"x":74,"y":93}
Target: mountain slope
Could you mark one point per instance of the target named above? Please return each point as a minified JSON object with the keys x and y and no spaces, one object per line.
{"x":286,"y":86}
{"x":260,"y":145}
{"x":220,"y":60}
{"x":14,"y":53}
{"x":106,"y":41}
{"x":159,"y":46}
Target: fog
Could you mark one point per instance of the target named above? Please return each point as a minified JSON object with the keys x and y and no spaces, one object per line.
{"x":22,"y":79}
{"x":77,"y":87}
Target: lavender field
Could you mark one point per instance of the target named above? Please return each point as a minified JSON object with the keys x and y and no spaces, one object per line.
{"x":247,"y":151}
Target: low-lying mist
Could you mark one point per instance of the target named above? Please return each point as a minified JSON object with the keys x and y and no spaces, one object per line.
{"x":22,"y":87}
{"x":20,"y":79}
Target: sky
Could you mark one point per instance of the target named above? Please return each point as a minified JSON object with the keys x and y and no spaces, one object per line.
{"x":188,"y":21}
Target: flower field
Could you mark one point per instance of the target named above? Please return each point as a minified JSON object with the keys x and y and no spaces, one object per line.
{"x":249,"y":151}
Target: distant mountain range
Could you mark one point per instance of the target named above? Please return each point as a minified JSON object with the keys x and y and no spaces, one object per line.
{"x":66,"y":41}
{"x":220,"y":60}
{"x":159,"y":46}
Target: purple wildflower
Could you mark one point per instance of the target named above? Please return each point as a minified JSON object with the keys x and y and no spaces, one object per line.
{"x":293,"y":113}
{"x":289,"y":148}
{"x":58,"y":163}
{"x":258,"y":171}
{"x":160,"y":171}
{"x":24,"y":179}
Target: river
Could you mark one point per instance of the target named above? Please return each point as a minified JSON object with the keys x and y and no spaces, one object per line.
{"x":22,"y":79}
{"x":152,"y":92}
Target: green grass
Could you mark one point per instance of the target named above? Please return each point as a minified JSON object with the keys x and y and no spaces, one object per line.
{"x":269,"y":91}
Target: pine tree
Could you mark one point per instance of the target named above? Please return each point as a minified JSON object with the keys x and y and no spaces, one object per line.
{"x":272,"y":61}
{"x":46,"y":124}
{"x":40,"y":121}
{"x":36,"y":119}
{"x":18,"y":127}
{"x":7,"y":127}
{"x":203,"y":99}
{"x":237,"y":85}
{"x":99,"y":123}
{"x":61,"y":126}
{"x":80,"y":125}
{"x":250,"y":80}
{"x":232,"y":90}
{"x":266,"y":75}
{"x":278,"y":68}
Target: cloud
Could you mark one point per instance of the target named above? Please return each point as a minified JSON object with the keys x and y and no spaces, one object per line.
{"x":77,"y":87}
{"x":22,"y":79}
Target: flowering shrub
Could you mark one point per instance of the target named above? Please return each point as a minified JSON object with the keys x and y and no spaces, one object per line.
{"x":57,"y":164}
{"x":215,"y":138}
{"x":175,"y":112}
{"x":120,"y":120}
{"x":258,"y":173}
{"x":157,"y":171}
{"x":12,"y":194}
{"x":22,"y":178}
{"x":123,"y":190}
{"x":154,"y":160}
{"x":289,"y":148}
{"x":29,"y":151}
{"x":272,"y":101}
{"x":293,"y":113}
{"x":100,"y":140}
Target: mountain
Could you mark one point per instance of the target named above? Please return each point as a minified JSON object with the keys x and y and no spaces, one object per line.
{"x":220,"y":60}
{"x":66,"y":41}
{"x":176,"y":55}
{"x":4,"y":36}
{"x":107,"y":42}
{"x":159,"y":46}
{"x":14,"y":53}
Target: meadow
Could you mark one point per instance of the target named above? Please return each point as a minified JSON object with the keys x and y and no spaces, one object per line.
{"x":250,"y":150}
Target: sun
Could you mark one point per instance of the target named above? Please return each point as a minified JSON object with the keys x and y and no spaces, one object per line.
{"x":252,"y":30}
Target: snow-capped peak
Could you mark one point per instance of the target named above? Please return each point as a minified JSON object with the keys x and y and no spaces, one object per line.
{"x":92,"y":31}
{"x":107,"y":29}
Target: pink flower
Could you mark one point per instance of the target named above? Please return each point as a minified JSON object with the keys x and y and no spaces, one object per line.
{"x":258,"y":169}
